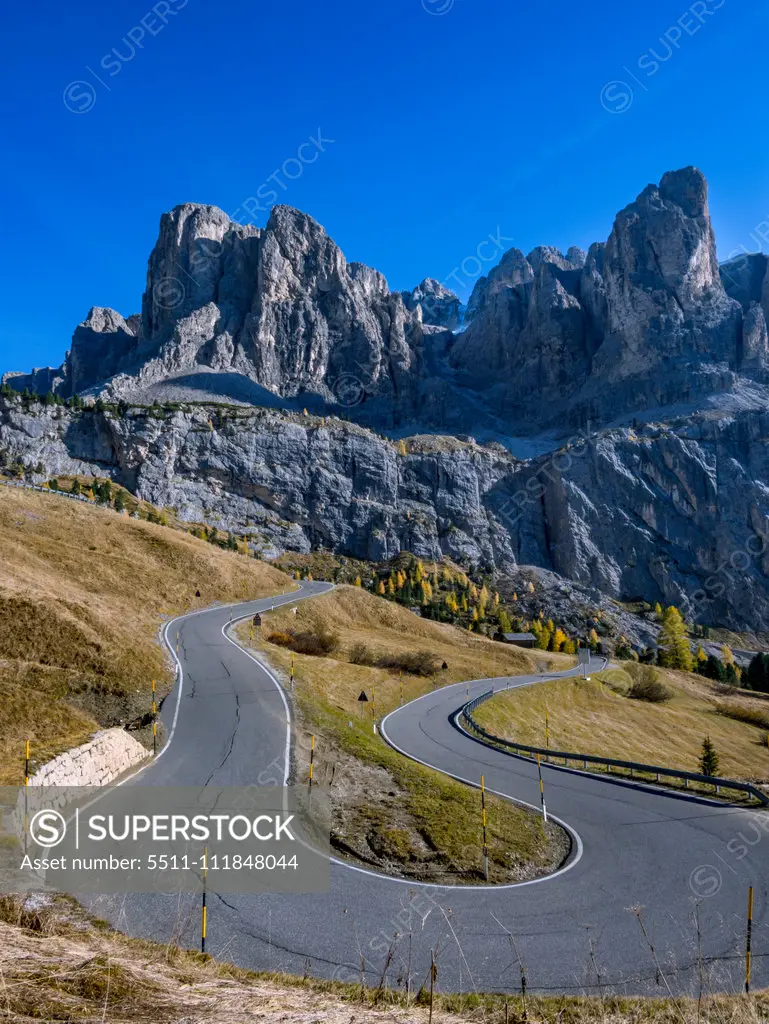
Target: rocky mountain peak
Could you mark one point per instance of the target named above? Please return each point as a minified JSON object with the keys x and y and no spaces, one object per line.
{"x":686,"y":188}
{"x":648,"y":312}
{"x":439,"y":305}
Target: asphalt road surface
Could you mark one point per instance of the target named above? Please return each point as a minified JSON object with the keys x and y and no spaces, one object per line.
{"x":643,"y":865}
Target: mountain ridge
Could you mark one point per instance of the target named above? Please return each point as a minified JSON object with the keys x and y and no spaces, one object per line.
{"x":645,"y":319}
{"x":638,"y":369}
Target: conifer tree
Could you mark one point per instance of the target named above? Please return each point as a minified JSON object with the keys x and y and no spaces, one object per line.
{"x":504,"y":620}
{"x":558,"y":640}
{"x":709,"y":759}
{"x":675,"y":641}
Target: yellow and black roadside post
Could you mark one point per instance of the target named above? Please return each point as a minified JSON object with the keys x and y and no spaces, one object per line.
{"x":203,"y":909}
{"x":154,"y":721}
{"x":748,"y":940}
{"x":26,"y":801}
{"x":312,"y":757}
{"x":483,"y":822}
{"x":541,"y":788}
{"x":292,"y":673}
{"x":433,"y":979}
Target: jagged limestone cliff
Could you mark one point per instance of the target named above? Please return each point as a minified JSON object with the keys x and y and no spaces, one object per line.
{"x":676,"y":514}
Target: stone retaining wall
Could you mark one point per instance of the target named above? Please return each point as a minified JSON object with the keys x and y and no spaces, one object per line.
{"x":110,"y":753}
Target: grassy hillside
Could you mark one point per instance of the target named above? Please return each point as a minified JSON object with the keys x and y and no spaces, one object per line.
{"x":389,"y":811}
{"x":598,"y":717}
{"x":82,"y":596}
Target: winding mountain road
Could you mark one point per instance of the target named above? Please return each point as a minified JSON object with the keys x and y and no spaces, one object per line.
{"x":577,"y":931}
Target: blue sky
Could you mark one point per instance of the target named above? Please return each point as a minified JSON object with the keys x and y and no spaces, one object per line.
{"x":451,"y":120}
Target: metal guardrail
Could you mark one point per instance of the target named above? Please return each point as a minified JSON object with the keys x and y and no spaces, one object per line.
{"x":47,"y":490}
{"x":633,"y":767}
{"x":57,"y":493}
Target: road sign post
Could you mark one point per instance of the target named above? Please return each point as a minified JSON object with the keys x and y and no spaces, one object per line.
{"x":583,"y":659}
{"x":363,"y":701}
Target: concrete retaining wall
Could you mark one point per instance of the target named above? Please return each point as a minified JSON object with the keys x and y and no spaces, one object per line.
{"x":110,"y":753}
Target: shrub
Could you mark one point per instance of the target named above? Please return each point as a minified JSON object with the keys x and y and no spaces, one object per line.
{"x":750,"y":716}
{"x":418,"y":663}
{"x":360,"y":654}
{"x":280,"y":639}
{"x":647,"y":686}
{"x":318,"y":644}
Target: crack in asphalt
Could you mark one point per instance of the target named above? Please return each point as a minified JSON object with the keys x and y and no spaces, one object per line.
{"x":231,"y":743}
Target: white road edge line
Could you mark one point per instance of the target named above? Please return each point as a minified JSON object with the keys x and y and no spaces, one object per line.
{"x":407,"y":881}
{"x":292,"y":595}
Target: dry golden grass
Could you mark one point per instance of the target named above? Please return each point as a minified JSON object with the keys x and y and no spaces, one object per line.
{"x":82,"y":597}
{"x":389,"y":811}
{"x":388,"y":628}
{"x":596,"y":717}
{"x":357,"y":616}
{"x":69,"y":969}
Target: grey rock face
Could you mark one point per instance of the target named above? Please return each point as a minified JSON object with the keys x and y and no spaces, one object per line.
{"x":743,"y":278}
{"x":102,"y":345}
{"x":40,"y":381}
{"x":440,"y":306}
{"x":279,"y":306}
{"x":677,"y":515}
{"x":644,"y":320}
{"x":630,"y":324}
